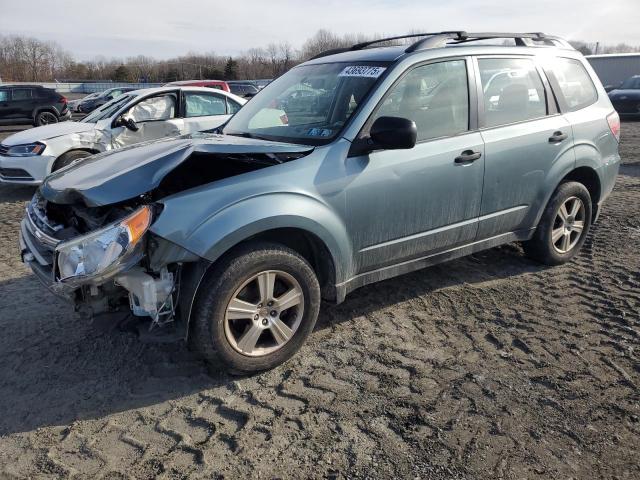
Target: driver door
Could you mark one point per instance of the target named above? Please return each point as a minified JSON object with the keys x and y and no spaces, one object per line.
{"x":155,"y":118}
{"x":404,"y":204}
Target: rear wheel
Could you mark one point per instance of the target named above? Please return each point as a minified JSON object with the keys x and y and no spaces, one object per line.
{"x":69,"y":158}
{"x":563,"y":227}
{"x":256,"y":308}
{"x":45,"y":118}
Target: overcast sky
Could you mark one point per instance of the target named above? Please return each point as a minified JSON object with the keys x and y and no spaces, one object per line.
{"x":166,"y":28}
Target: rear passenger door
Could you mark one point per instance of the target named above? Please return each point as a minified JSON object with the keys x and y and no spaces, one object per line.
{"x":22,"y":103}
{"x":525,"y":137}
{"x":204,"y":111}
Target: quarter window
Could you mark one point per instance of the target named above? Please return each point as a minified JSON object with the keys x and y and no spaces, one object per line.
{"x":203,"y":104}
{"x":4,"y":95}
{"x":575,"y":84}
{"x":233,"y":106}
{"x":155,"y":108}
{"x":512,"y":91}
{"x":435,"y":96}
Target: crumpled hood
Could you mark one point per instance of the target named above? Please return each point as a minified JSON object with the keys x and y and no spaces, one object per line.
{"x":120,"y":175}
{"x":46,"y":132}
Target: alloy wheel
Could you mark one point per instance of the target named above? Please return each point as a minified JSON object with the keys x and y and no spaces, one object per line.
{"x":264,"y":313}
{"x":568,"y":225}
{"x":47,"y":118}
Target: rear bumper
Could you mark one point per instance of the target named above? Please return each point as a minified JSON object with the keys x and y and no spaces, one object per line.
{"x":25,"y":170}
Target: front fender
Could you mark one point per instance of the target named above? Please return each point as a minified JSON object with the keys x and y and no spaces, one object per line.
{"x":212,"y":236}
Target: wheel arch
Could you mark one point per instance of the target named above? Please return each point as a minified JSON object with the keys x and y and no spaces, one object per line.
{"x":46,"y":108}
{"x":89,"y":150}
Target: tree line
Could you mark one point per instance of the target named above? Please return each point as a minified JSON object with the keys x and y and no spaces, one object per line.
{"x":27,"y":59}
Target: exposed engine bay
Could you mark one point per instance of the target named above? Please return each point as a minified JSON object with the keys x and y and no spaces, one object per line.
{"x":101,"y":256}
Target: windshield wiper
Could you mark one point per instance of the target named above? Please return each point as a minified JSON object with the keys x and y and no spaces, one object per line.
{"x":248,"y":135}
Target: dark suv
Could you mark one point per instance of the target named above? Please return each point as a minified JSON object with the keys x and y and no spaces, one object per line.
{"x":32,"y":104}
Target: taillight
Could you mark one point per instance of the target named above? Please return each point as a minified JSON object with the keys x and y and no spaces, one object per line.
{"x":63,"y":99}
{"x":614,"y":124}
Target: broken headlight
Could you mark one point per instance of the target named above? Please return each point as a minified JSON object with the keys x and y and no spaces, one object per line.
{"x":105,"y":251}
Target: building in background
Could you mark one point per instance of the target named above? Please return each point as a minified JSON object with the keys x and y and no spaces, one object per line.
{"x":614,"y":68}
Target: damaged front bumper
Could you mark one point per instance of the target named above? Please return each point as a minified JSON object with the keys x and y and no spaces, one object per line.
{"x":148,"y":291}
{"x":38,"y":251}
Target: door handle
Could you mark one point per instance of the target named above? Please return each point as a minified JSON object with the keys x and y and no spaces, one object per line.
{"x":468,"y":156}
{"x":557,"y":137}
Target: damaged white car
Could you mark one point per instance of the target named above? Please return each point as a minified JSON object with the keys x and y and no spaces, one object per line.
{"x":149,"y":114}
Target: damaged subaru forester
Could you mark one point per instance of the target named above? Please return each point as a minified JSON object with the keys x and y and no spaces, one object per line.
{"x":354,"y":167}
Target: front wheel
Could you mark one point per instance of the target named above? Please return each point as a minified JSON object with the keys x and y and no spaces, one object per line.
{"x":563,"y":227}
{"x":256,"y":308}
{"x":69,"y":158}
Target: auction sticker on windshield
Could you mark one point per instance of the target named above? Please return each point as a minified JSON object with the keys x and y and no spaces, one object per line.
{"x":362,"y":71}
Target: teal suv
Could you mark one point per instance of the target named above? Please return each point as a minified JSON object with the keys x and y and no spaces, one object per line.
{"x":356,"y":166}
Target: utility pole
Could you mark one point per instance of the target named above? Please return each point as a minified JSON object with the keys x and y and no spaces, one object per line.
{"x":595,"y":51}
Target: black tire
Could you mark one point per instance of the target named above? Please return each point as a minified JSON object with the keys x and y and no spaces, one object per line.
{"x":541,"y":247}
{"x":69,"y":158}
{"x":45,"y":117}
{"x":207,"y":335}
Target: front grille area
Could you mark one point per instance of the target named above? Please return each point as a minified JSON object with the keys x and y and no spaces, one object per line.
{"x":3,"y":149}
{"x":14,"y":174}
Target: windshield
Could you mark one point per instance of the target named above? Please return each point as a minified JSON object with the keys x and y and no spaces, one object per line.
{"x":107,"y":109}
{"x":308,"y":104}
{"x":631,"y":83}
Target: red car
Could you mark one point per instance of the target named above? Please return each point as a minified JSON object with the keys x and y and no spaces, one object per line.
{"x":218,"y":84}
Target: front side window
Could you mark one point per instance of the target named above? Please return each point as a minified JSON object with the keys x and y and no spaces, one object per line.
{"x":512,"y":90}
{"x":203,"y":104}
{"x":435,"y":96}
{"x":575,"y":84}
{"x":21,"y":94}
{"x":162,"y":107}
{"x":309,"y":104}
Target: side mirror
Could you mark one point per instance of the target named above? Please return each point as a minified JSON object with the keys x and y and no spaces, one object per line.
{"x":127,"y":122}
{"x":393,"y":133}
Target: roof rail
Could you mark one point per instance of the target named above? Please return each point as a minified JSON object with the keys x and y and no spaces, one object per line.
{"x":442,"y":39}
{"x":453,"y":38}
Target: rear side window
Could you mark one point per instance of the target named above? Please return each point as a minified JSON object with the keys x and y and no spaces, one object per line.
{"x":575,"y":85}
{"x":21,"y":94}
{"x":4,"y":95}
{"x":204,"y":104}
{"x":435,"y":96}
{"x":512,"y":90}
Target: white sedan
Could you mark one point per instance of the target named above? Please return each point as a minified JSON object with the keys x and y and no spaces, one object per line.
{"x":141,"y":115}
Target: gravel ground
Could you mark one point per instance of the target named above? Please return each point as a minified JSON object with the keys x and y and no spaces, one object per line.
{"x":485,"y":367}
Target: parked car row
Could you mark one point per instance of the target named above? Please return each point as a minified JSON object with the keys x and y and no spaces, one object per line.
{"x":136,"y":116}
{"x":32,"y":104}
{"x":626,"y":97}
{"x":351,"y":168}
